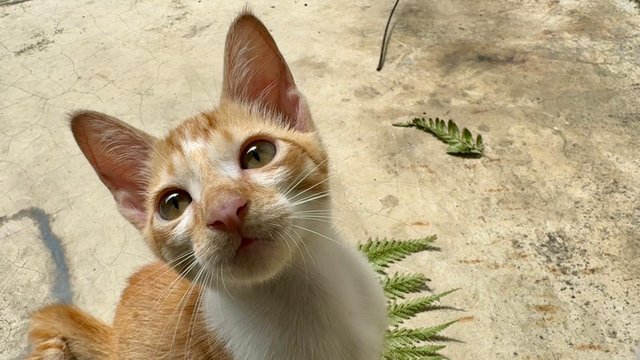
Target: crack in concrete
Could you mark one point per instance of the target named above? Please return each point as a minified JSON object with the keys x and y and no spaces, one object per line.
{"x":61,"y":288}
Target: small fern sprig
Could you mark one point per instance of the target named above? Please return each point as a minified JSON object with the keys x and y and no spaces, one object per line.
{"x":424,"y":352}
{"x":398,"y":285}
{"x":382,"y":253}
{"x":400,"y":311}
{"x":405,"y":343}
{"x":400,"y":337}
{"x":460,"y":142}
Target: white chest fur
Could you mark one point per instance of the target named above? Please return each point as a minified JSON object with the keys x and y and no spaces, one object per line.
{"x":332,"y":309}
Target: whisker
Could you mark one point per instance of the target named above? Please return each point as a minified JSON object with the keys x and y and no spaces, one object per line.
{"x":171,"y":288}
{"x":181,"y":258}
{"x":180,"y":309}
{"x":312,"y":198}
{"x":317,"y":214}
{"x":322,"y":235}
{"x":226,"y":262}
{"x":196,"y":310}
{"x":308,"y":196}
{"x":194,"y":315}
{"x":309,"y":188}
{"x":207,"y":286}
{"x":304,"y":177}
{"x":304,"y":261}
{"x":300,"y":241}
{"x":325,"y":219}
{"x":164,"y":294}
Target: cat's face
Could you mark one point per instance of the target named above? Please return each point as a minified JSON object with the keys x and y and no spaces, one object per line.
{"x":229,"y":191}
{"x":223,"y":196}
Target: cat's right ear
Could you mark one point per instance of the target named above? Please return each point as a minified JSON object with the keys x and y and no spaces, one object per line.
{"x":255,"y":72}
{"x":120,"y":156}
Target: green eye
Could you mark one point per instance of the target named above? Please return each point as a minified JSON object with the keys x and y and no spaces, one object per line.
{"x":173,"y":204}
{"x":257,"y":154}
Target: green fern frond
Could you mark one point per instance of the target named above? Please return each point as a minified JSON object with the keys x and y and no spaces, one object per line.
{"x":425,"y":352}
{"x":398,"y":285}
{"x":460,"y":142}
{"x":382,"y":253}
{"x":405,"y":343}
{"x":401,"y":337}
{"x":400,"y":311}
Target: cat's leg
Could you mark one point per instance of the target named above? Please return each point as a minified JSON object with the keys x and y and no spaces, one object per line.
{"x":159,"y":317}
{"x":52,"y":349}
{"x":64,"y":332}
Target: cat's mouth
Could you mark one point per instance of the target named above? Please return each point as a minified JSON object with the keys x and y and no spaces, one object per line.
{"x":250,"y":257}
{"x":246,"y":242}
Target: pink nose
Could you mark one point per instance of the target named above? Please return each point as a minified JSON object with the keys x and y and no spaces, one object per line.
{"x":229,"y":216}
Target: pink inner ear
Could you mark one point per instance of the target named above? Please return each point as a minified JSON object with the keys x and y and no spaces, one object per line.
{"x":298,"y":108}
{"x":131,"y":208}
{"x":120,"y":181}
{"x":119,"y":155}
{"x":124,"y":173}
{"x":256,"y":72}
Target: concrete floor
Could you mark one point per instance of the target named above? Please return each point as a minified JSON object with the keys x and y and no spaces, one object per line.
{"x":541,"y":236}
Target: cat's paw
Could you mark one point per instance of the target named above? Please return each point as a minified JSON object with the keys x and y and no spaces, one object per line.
{"x":52,"y":349}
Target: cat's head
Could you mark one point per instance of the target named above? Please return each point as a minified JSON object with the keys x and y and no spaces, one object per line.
{"x":224,"y":195}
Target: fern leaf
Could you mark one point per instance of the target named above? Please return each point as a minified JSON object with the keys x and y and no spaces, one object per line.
{"x":460,"y":142}
{"x":382,"y":253}
{"x":480,"y":143}
{"x":401,"y":337}
{"x":404,"y":343}
{"x":452,"y":129}
{"x":426,"y":352}
{"x":397,"y":286}
{"x":398,"y":312}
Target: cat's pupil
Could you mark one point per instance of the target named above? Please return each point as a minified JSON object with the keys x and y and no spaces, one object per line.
{"x":254,"y":154}
{"x":173,"y":204}
{"x":174,"y":201}
{"x":257,"y":154}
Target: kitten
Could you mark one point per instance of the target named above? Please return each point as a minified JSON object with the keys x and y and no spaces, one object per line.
{"x":234,"y":202}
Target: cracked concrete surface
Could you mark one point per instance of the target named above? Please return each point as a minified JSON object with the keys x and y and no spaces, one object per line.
{"x":541,"y":237}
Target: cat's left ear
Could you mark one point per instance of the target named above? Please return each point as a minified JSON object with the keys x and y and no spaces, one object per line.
{"x":120,"y":156}
{"x":255,"y":72}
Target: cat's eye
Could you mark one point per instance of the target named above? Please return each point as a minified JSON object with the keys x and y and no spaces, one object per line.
{"x":173,"y":204}
{"x":257,"y":154}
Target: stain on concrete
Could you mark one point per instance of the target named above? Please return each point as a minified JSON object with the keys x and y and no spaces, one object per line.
{"x":41,"y":42}
{"x":311,"y":67}
{"x":61,"y":288}
{"x":389,"y":201}
{"x":472,"y":54}
{"x":556,"y":250}
{"x":366,"y":92}
{"x":195,"y":30}
{"x":590,"y":347}
{"x":589,"y":22}
{"x":546,"y":308}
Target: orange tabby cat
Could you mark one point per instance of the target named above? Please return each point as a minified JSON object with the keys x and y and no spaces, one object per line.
{"x":234,"y":203}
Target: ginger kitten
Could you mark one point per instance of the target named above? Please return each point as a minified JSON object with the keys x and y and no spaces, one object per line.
{"x":234,"y":202}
